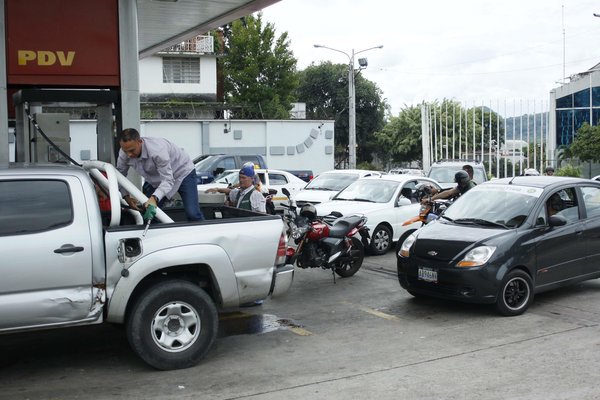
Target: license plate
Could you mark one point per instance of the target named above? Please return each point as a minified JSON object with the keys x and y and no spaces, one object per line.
{"x":428,"y":274}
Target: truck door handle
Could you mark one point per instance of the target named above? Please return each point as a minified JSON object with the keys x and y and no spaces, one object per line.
{"x":69,"y":249}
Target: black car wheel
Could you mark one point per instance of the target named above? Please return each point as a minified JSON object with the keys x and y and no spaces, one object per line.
{"x":516,"y":293}
{"x":381,"y":240}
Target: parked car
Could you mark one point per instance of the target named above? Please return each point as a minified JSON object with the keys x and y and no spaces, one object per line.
{"x":165,"y":282}
{"x":408,"y":171}
{"x":387,"y":201}
{"x":443,"y":172}
{"x":209,"y":166}
{"x":305,"y":174}
{"x":505,"y":240}
{"x":270,"y":178}
{"x":326,"y":185}
{"x":596,"y":178}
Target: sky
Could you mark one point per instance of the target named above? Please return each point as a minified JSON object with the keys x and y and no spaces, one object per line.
{"x":491,"y":52}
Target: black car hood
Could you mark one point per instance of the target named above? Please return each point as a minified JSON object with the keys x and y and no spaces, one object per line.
{"x":444,"y":241}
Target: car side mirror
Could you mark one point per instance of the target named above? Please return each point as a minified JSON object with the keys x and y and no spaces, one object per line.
{"x":557,"y":220}
{"x":403,"y":201}
{"x":219,"y":171}
{"x":286,"y":192}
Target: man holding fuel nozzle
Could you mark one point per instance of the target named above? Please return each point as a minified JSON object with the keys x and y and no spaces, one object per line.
{"x":166,"y":168}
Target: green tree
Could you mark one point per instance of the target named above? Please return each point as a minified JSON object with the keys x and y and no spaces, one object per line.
{"x":324,"y":89}
{"x":586,"y":145}
{"x":452,"y":126}
{"x":400,"y":139}
{"x":259,"y":70}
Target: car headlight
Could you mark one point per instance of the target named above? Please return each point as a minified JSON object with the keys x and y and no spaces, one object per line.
{"x":406,"y":245}
{"x":477,"y":256}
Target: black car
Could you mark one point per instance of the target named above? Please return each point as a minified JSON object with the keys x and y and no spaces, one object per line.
{"x":505,"y":240}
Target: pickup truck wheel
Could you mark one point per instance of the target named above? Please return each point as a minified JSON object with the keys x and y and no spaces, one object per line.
{"x":381,"y":240}
{"x":350,"y":266}
{"x":172,"y":325}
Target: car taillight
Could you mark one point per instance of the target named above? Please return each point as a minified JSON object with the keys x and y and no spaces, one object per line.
{"x":290,"y":252}
{"x":281,"y":249}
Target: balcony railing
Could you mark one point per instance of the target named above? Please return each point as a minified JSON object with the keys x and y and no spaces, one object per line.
{"x":201,"y":44}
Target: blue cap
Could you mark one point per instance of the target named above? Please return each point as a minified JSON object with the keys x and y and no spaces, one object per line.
{"x":248,"y":169}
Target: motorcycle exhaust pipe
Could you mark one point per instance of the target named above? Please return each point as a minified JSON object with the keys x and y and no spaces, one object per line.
{"x":334,"y":257}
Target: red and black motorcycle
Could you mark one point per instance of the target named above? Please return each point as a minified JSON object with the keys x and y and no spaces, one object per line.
{"x":325,"y":242}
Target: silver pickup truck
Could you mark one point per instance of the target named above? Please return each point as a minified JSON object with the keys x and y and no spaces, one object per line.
{"x":66,"y":263}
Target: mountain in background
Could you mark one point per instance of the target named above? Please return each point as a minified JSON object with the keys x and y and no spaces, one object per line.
{"x":534,"y":123}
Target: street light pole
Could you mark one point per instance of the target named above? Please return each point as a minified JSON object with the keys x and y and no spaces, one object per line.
{"x":351,"y":102}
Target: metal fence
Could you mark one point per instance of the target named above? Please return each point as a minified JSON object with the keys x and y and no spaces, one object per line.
{"x":508,"y":136}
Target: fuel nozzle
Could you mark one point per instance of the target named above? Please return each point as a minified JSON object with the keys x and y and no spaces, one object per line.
{"x":149,"y":215}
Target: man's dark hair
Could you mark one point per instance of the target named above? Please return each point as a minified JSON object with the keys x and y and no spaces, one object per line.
{"x":128,"y":134}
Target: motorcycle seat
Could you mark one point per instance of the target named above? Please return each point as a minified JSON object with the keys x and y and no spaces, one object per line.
{"x":341,"y":227}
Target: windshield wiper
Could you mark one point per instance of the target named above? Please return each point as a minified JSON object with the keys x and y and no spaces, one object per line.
{"x":366,"y":200}
{"x":448,"y":218}
{"x":479,"y":221}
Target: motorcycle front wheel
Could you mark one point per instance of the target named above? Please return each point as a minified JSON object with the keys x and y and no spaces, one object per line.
{"x":350,"y":264}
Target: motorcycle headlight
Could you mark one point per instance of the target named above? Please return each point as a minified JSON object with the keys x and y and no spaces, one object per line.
{"x":477,"y":257}
{"x":298,"y":232}
{"x":406,"y":245}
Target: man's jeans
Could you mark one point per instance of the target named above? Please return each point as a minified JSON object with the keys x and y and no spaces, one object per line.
{"x":189,"y":196}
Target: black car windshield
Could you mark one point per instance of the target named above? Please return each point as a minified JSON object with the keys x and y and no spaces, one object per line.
{"x":333,"y":182}
{"x":369,"y":190}
{"x":494,"y":205}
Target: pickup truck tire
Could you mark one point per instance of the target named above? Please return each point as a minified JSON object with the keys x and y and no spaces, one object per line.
{"x":172,"y":325}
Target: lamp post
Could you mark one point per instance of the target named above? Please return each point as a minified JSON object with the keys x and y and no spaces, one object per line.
{"x":352,"y":99}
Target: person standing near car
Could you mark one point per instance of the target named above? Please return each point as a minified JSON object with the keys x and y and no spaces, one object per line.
{"x":247,"y":196}
{"x":166,"y":168}
{"x":469,"y":170}
{"x":549,"y":170}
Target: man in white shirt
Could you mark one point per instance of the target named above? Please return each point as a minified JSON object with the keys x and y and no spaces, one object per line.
{"x":247,"y":197}
{"x":166,"y":168}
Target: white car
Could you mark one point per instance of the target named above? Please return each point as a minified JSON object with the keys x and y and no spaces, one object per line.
{"x":326,"y":185}
{"x":270,"y":178}
{"x":387,"y":201}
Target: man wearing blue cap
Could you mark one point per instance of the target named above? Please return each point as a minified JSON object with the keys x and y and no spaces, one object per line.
{"x":246,"y":196}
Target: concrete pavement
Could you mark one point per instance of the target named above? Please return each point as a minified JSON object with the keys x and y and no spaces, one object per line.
{"x":361,"y":338}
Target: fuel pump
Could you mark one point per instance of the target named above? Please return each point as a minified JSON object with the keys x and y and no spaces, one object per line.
{"x":45,"y":137}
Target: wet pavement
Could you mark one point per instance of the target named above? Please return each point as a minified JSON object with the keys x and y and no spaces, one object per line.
{"x":359,"y":338}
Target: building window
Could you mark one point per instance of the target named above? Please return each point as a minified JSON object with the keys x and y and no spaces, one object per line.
{"x":181,"y":70}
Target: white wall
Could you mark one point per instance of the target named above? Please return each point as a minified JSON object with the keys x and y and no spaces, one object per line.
{"x":187,"y":134}
{"x":151,"y":77}
{"x":278,"y":141}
